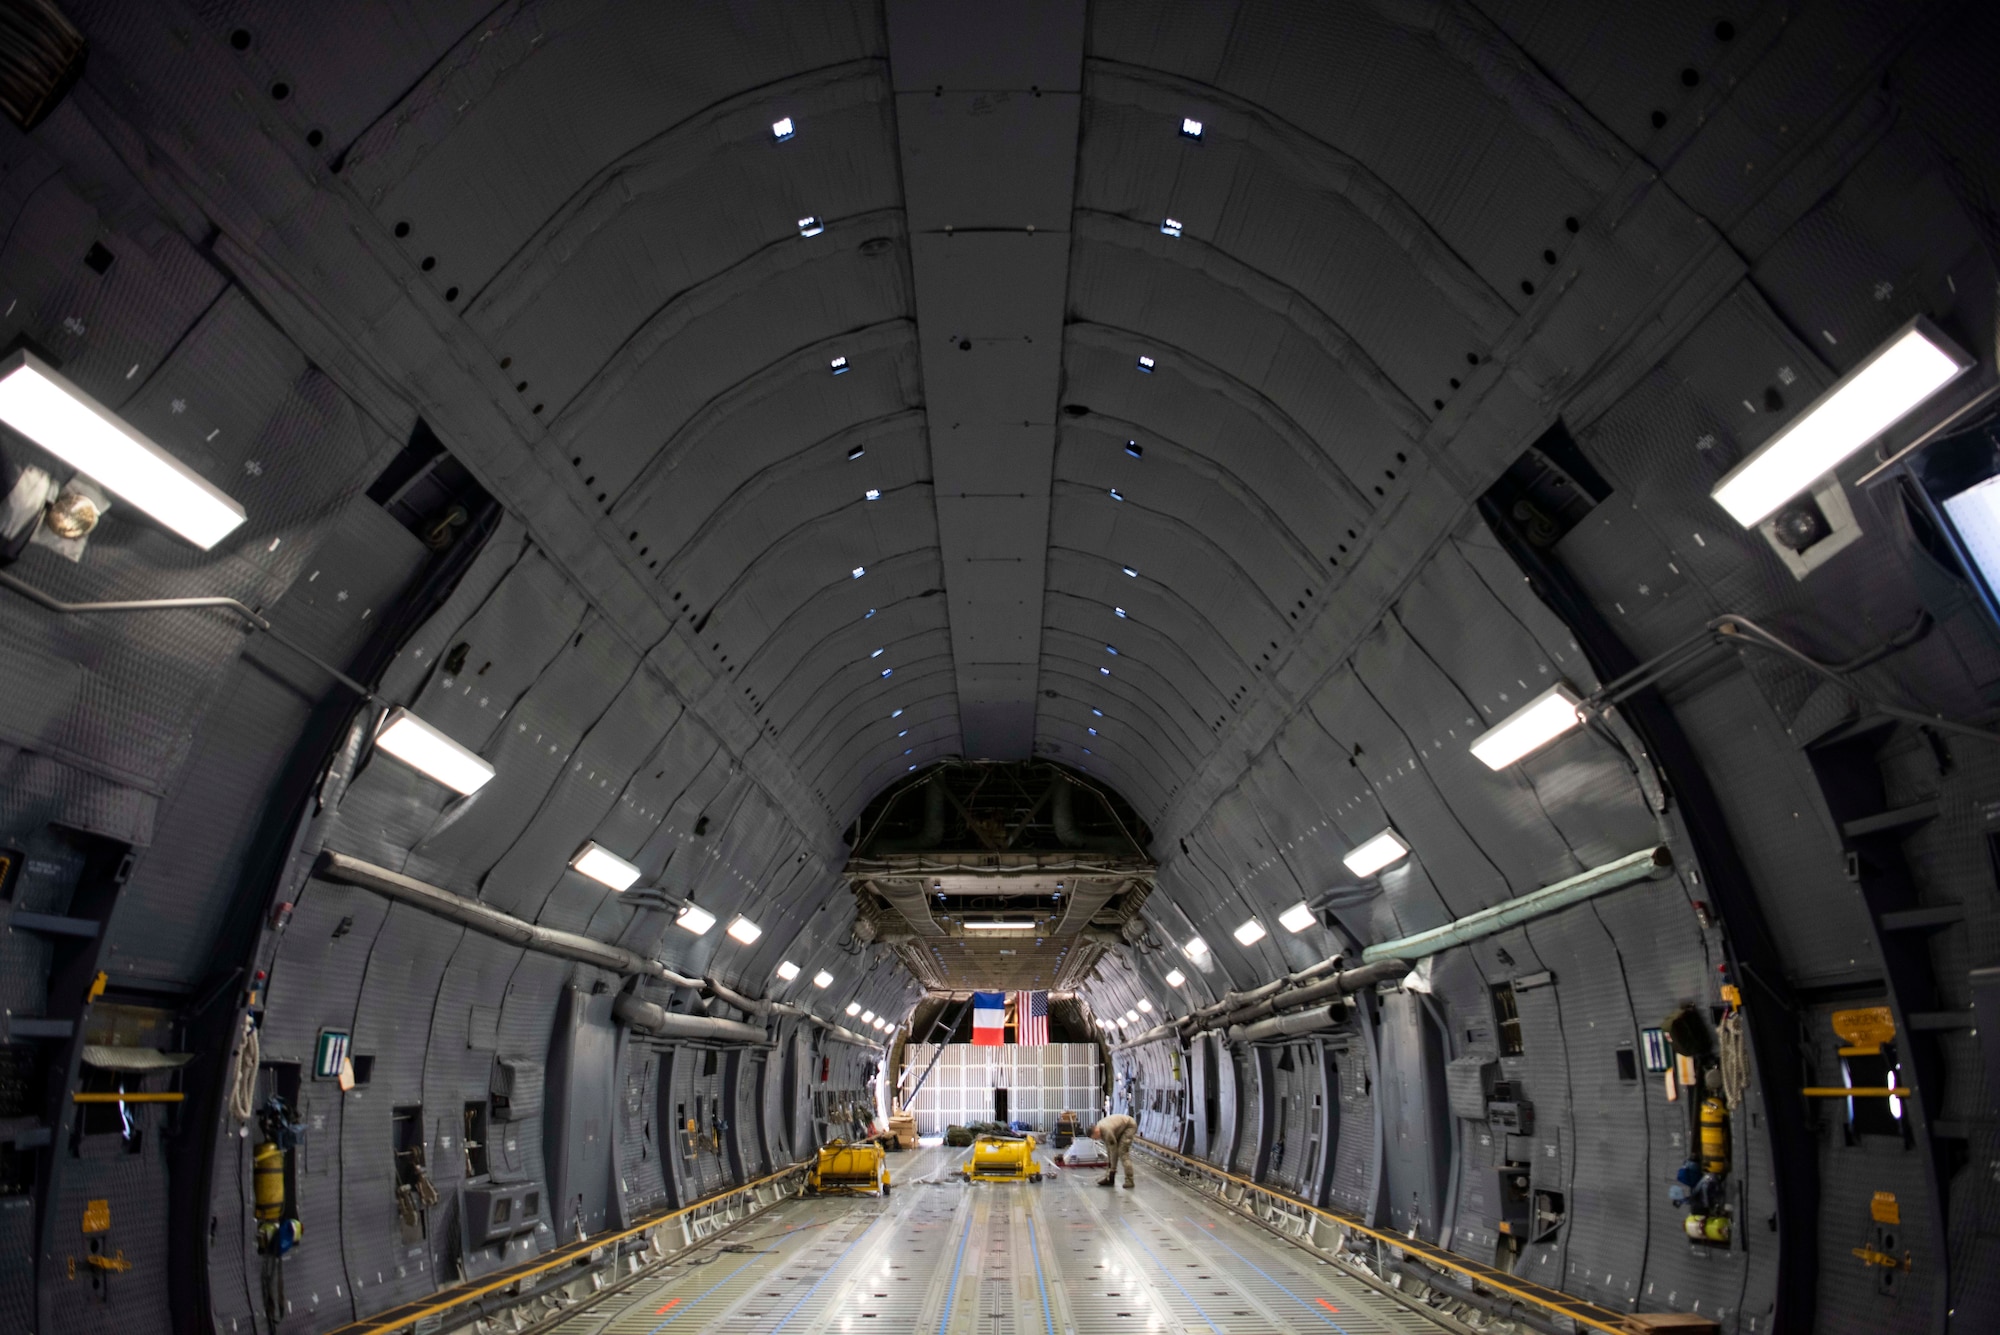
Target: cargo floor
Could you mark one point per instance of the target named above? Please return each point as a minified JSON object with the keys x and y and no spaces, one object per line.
{"x":941,"y":1257}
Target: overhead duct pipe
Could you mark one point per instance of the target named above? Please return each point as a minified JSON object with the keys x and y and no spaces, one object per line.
{"x":492,"y":922}
{"x":1268,"y":1000}
{"x":1288,"y":1026}
{"x":757,"y":1006}
{"x":1648,"y":864}
{"x":636,"y":1013}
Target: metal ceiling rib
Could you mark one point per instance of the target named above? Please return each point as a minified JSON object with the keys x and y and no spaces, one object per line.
{"x":987,"y":105}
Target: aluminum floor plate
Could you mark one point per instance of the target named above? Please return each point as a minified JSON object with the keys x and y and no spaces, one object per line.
{"x":940,"y":1256}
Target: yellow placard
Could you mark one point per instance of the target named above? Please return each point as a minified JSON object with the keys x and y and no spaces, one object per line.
{"x":97,"y":1216}
{"x":1884,"y":1210}
{"x":1864,"y":1031}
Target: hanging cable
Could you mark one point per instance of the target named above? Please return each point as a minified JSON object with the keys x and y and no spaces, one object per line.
{"x":243,"y":1079}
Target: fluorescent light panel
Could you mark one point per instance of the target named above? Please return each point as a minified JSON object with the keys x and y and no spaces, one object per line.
{"x":1000,"y":925}
{"x":1145,"y":1005}
{"x":1296,"y":918}
{"x":1915,"y":363}
{"x":1250,"y":933}
{"x":744,"y":930}
{"x":1195,"y":947}
{"x":1529,"y":728}
{"x":1175,"y":978}
{"x":822,"y":979}
{"x":869,"y":1016}
{"x":1381,"y":851}
{"x":694,"y":918}
{"x":428,"y":751}
{"x":854,"y":1008}
{"x":788,"y":970}
{"x":605,"y":867}
{"x":40,"y":403}
{"x":1131,"y":1017}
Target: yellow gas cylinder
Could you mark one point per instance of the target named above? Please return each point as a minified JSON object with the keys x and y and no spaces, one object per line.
{"x":268,"y":1173}
{"x":1714,"y":1136}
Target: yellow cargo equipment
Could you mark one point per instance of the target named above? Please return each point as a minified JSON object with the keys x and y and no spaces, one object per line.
{"x":849,"y":1170}
{"x":1003,"y":1159}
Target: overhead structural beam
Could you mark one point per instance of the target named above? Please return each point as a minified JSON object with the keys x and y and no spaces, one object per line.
{"x":489,"y":921}
{"x":1648,"y":864}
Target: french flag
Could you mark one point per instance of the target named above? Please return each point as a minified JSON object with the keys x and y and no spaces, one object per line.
{"x":989,"y":1019}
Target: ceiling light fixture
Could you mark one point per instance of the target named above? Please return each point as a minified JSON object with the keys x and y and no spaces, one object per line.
{"x":781,"y":129}
{"x":856,"y":453}
{"x":1190,"y":128}
{"x":1000,"y":925}
{"x":1915,"y":363}
{"x":1296,"y":918}
{"x":858,"y":571}
{"x":854,"y":1008}
{"x":1146,"y":364}
{"x":428,"y":751}
{"x":1175,"y":978}
{"x":1130,"y":573}
{"x":1383,"y":850}
{"x":788,"y":971}
{"x":887,"y":672}
{"x":1195,"y":947}
{"x":605,"y":867}
{"x":1111,"y":649}
{"x":904,"y":733}
{"x":1092,"y":731}
{"x":694,"y":918}
{"x":1529,"y":728}
{"x":1104,"y":671}
{"x":895,"y":713}
{"x":1098,"y":712}
{"x":811,"y":227}
{"x":43,"y":405}
{"x":744,"y":930}
{"x":1136,"y":450}
{"x":1170,"y":226}
{"x":838,"y":366}
{"x":872,"y":494}
{"x":868,"y":1016}
{"x":1120,"y":611}
{"x":822,"y":979}
{"x":1250,"y":933}
{"x":869,"y":613}
{"x":877,"y":653}
{"x":1145,"y":1005}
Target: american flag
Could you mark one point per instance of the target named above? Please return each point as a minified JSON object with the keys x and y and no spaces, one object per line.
{"x":1034,"y":1021}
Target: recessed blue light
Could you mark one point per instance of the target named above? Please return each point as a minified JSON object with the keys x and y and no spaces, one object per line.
{"x":838,"y":366}
{"x":1119,"y":610}
{"x":872,"y":494}
{"x":1135,"y":449}
{"x":781,"y":129}
{"x":859,"y":571}
{"x":1190,"y":128}
{"x":895,"y":713}
{"x":888,"y":672}
{"x":1146,"y":364}
{"x":877,"y":653}
{"x":904,"y":733}
{"x":869,"y":613}
{"x":1104,"y":671}
{"x":856,"y":453}
{"x":1098,"y":712}
{"x":811,"y":227}
{"x":1115,"y":496}
{"x":1111,"y":649}
{"x":1170,"y":226}
{"x":1093,"y":732}
{"x":1130,"y":573}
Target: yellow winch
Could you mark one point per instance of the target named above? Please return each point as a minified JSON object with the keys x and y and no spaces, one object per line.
{"x":1002,"y":1159}
{"x":849,"y":1170}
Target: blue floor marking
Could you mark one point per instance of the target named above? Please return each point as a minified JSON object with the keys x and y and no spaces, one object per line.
{"x":828,"y":1275}
{"x":951,"y":1294}
{"x":1281,"y":1288}
{"x":1172,"y":1278}
{"x":1035,"y":1251}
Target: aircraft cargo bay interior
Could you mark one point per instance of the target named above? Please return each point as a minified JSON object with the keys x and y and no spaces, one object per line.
{"x":999,"y":667}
